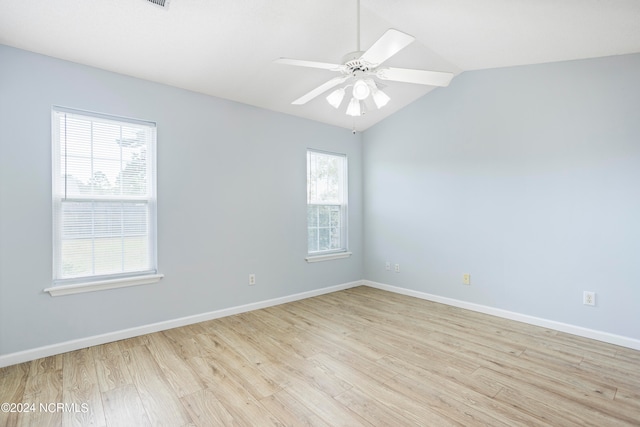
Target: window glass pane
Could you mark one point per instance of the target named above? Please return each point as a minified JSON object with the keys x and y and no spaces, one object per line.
{"x":324,"y":216}
{"x":325,"y":176}
{"x":76,"y":220}
{"x":324,"y":239}
{"x":136,"y":253}
{"x":335,"y":237}
{"x":335,"y":216}
{"x":312,"y":215}
{"x":107,"y":255}
{"x":105,"y":238}
{"x":107,"y":219}
{"x":105,"y":141}
{"x":326,"y":201}
{"x":133,"y":178}
{"x":77,"y":256}
{"x":313,"y":240}
{"x":104,"y":199}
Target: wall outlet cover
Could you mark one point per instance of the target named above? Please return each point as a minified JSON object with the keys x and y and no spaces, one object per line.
{"x":589,"y":298}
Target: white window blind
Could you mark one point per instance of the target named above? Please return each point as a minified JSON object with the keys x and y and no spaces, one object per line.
{"x":326,"y":202}
{"x":104,"y":197}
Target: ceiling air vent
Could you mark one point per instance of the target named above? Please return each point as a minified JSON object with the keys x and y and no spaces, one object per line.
{"x":162,"y":3}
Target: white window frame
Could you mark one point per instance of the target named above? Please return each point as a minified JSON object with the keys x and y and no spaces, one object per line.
{"x":95,"y":282}
{"x":341,"y":203}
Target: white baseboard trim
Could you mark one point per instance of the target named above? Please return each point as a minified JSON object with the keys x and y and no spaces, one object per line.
{"x":63,"y":347}
{"x":536,"y":321}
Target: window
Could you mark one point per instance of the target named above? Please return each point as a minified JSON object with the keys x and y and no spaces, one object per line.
{"x":326,"y":203}
{"x":104,"y":198}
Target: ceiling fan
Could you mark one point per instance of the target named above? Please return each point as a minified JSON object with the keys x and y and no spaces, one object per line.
{"x":361,"y":70}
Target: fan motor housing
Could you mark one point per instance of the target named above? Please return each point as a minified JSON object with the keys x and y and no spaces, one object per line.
{"x":354,"y":64}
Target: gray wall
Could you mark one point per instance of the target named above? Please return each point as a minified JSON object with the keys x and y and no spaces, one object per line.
{"x":528,"y":178}
{"x":231,"y":201}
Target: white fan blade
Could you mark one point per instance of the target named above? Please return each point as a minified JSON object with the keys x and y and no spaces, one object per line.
{"x":422,"y":77}
{"x":320,"y":89}
{"x":391,"y":42}
{"x":310,"y":64}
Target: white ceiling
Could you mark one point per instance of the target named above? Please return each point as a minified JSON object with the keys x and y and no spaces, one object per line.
{"x":226,"y":48}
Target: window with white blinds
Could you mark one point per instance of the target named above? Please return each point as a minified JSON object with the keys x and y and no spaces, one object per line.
{"x":104,"y":197}
{"x":326,"y":202}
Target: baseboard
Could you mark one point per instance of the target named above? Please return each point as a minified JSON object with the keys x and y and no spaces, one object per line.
{"x":50,"y":350}
{"x":536,"y":321}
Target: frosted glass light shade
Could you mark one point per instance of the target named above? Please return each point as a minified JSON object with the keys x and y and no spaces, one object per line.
{"x":335,"y":98}
{"x":361,"y":90}
{"x":354,"y":108}
{"x":380,"y":98}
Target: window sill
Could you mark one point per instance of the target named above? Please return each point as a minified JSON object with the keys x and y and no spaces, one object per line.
{"x":328,"y":257}
{"x":78,"y":288}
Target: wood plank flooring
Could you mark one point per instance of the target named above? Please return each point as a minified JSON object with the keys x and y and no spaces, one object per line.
{"x":359,"y":357}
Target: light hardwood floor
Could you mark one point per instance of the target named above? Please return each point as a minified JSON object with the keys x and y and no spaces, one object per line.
{"x":356,"y":357}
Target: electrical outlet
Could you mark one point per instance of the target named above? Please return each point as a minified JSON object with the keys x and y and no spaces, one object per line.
{"x":397,"y":268}
{"x":252,"y":279}
{"x":589,"y":298}
{"x":387,"y":266}
{"x":466,"y":279}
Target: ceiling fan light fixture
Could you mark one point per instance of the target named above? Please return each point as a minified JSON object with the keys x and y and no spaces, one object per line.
{"x":361,"y":90}
{"x":358,"y":67}
{"x":380,"y":98}
{"x":354,"y":108}
{"x":335,"y":98}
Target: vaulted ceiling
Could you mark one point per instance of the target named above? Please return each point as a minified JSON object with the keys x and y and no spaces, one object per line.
{"x":226,"y":48}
